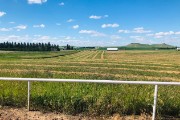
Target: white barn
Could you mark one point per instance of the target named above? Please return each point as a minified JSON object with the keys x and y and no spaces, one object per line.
{"x":112,"y":49}
{"x":178,"y":49}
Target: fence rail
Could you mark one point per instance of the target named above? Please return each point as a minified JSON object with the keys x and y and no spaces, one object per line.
{"x":95,"y":81}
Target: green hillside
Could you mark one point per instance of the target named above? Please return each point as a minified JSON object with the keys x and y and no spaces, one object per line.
{"x":138,"y":46}
{"x":162,"y":45}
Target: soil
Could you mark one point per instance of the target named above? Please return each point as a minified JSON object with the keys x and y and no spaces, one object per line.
{"x":7,"y":113}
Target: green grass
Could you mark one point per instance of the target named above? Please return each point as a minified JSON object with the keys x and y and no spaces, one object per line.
{"x":92,"y":99}
{"x":33,"y":55}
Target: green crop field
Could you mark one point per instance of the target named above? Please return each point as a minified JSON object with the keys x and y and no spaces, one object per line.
{"x":92,"y":99}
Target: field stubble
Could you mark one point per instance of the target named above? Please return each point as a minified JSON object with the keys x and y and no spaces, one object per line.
{"x":93,"y":99}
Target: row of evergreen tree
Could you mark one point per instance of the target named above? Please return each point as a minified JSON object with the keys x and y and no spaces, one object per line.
{"x":13,"y":46}
{"x":68,"y":47}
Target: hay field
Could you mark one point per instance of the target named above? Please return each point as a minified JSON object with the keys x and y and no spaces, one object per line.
{"x":92,"y":99}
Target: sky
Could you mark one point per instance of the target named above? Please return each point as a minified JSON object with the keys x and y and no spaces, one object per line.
{"x":90,"y":22}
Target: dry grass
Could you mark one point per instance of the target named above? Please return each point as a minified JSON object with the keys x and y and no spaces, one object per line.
{"x":93,"y":99}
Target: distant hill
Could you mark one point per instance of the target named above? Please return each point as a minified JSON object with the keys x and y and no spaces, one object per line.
{"x":139,"y":46}
{"x":162,"y":45}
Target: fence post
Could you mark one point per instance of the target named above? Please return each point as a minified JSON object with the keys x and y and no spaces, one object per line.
{"x":155,"y":102}
{"x":29,"y":87}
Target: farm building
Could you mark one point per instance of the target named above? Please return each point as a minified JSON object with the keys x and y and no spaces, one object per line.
{"x":112,"y":49}
{"x":178,"y":49}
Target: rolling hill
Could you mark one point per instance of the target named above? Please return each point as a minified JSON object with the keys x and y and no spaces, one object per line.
{"x":139,"y":46}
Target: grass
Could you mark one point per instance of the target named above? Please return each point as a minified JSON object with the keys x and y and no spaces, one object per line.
{"x":33,"y":55}
{"x":92,"y":99}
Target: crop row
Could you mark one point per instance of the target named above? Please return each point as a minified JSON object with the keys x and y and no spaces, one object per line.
{"x":93,"y":99}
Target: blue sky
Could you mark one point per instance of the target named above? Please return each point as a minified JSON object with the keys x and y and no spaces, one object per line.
{"x":91,"y":22}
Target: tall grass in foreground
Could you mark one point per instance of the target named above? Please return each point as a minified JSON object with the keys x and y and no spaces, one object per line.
{"x":92,"y":99}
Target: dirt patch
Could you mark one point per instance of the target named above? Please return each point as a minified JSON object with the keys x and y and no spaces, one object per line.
{"x":102,"y":55}
{"x":24,"y":114}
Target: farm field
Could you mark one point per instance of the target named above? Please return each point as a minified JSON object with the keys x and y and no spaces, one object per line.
{"x":92,"y":99}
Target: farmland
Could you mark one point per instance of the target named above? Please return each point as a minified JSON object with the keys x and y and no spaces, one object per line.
{"x":92,"y":99}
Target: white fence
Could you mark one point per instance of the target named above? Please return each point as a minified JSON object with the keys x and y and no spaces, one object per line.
{"x":95,"y":81}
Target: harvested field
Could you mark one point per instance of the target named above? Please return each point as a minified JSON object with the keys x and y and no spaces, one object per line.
{"x":92,"y":99}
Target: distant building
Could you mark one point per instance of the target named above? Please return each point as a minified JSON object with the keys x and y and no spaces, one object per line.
{"x":178,"y":49}
{"x":112,"y":49}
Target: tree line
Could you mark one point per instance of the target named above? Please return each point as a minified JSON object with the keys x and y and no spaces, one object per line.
{"x":68,"y":47}
{"x":13,"y":46}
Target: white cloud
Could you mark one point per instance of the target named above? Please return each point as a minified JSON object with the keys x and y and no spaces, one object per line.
{"x":163,"y":34}
{"x":143,"y":40}
{"x":61,"y":40}
{"x":67,"y":38}
{"x":135,"y":30}
{"x":98,"y":17}
{"x":98,"y":34}
{"x":110,"y":25}
{"x":158,"y":36}
{"x":44,"y":37}
{"x":61,"y":4}
{"x":115,"y":37}
{"x":149,"y":34}
{"x":141,"y":30}
{"x":70,"y":20}
{"x":39,"y":26}
{"x":2,"y":13}
{"x":36,"y":1}
{"x":20,"y":27}
{"x":87,"y":31}
{"x":92,"y":33}
{"x":5,"y":29}
{"x":15,"y":38}
{"x":37,"y":35}
{"x":124,"y":31}
{"x":95,"y":17}
{"x":17,"y":28}
{"x":177,"y":33}
{"x":75,"y":27}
